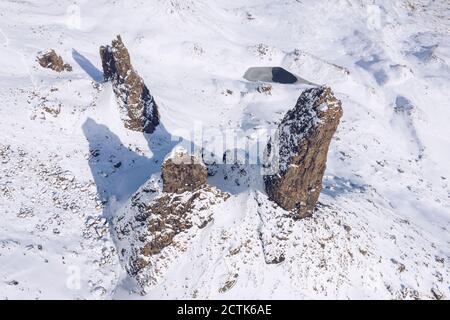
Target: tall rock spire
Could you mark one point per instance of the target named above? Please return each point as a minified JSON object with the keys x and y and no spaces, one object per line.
{"x":298,"y":152}
{"x":138,"y":108}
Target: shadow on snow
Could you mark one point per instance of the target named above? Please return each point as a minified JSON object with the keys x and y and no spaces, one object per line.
{"x":87,"y":66}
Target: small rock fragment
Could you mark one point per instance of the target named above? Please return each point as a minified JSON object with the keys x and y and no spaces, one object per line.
{"x":50,"y":60}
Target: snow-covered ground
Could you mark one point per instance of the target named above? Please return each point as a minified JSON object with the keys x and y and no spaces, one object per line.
{"x":67,"y":164}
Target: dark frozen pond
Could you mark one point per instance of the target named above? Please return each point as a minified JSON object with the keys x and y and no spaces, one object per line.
{"x":273,"y":74}
{"x":281,"y":75}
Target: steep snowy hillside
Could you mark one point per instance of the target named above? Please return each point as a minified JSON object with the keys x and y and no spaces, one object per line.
{"x":71,"y":174}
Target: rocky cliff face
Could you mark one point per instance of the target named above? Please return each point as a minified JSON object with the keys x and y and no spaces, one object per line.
{"x":154,"y":229}
{"x":182,"y":172}
{"x":157,"y":225}
{"x":153,"y":233}
{"x":298,"y":152}
{"x":138,"y":108}
{"x":49,"y":59}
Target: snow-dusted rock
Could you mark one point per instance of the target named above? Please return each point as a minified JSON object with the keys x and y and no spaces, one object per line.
{"x":300,"y":150}
{"x":138,"y":108}
{"x":182,"y":172}
{"x":51,"y":60}
{"x":153,"y":230}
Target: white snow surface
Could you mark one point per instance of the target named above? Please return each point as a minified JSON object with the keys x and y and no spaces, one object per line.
{"x":67,"y":164}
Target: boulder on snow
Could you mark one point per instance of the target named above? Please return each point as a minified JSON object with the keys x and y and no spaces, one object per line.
{"x":182,"y":172}
{"x":138,"y":108}
{"x":299,"y":151}
{"x":50,"y":60}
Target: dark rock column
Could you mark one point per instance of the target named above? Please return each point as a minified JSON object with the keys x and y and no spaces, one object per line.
{"x":138,"y":108}
{"x":299,"y":151}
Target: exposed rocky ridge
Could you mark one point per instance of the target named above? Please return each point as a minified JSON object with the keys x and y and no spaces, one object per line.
{"x":182,"y":172}
{"x":299,"y":151}
{"x":153,"y":226}
{"x":158,"y":221}
{"x":138,"y":108}
{"x":51,"y":60}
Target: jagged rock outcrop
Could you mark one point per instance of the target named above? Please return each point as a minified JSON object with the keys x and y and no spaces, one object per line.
{"x":171,"y":214}
{"x":50,"y":60}
{"x":159,"y":222}
{"x":155,"y":228}
{"x":138,"y":108}
{"x":182,"y":172}
{"x":298,"y":152}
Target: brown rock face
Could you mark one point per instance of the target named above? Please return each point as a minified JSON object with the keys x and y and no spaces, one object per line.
{"x":300,"y":149}
{"x":182,"y":173}
{"x":138,"y":108}
{"x":154,"y":229}
{"x":51,"y":60}
{"x":173,"y":216}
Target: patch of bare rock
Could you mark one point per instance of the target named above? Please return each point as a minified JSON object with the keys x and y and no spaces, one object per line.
{"x":182,"y":172}
{"x":51,"y":60}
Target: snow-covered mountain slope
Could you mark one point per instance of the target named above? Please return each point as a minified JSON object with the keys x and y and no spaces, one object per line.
{"x":68,"y":166}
